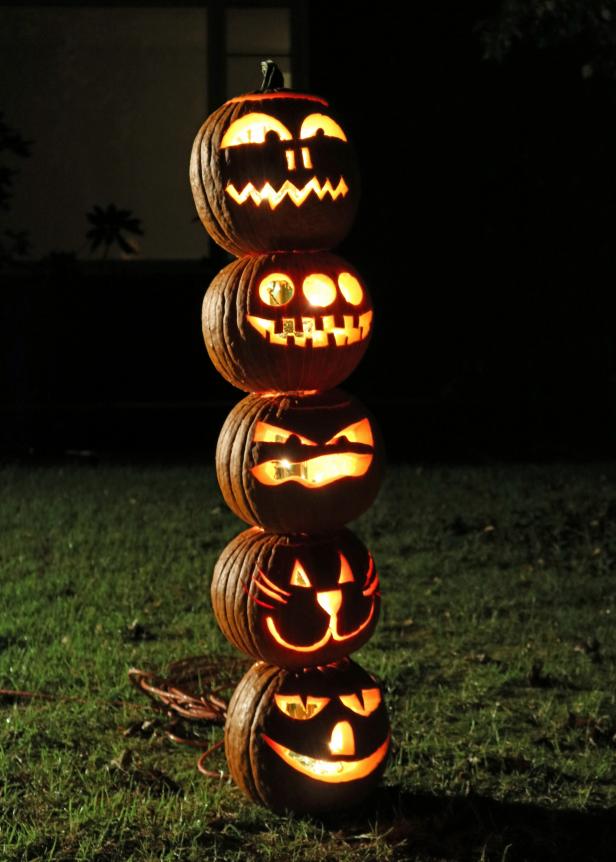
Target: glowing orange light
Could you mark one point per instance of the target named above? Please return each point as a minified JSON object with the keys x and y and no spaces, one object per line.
{"x":371,"y":588}
{"x":270,"y":589}
{"x":276,"y":289}
{"x":252,"y":129}
{"x":346,"y":574}
{"x":330,"y":601}
{"x":350,"y":288}
{"x":293,"y":705}
{"x":306,"y":157}
{"x":299,"y":578}
{"x":342,"y":739}
{"x":314,"y":473}
{"x":290,"y":154}
{"x":266,"y":433}
{"x":315,"y":122}
{"x":371,"y":701}
{"x":287,"y":189}
{"x":330,"y":771}
{"x":260,"y":97}
{"x":358,"y":432}
{"x":308,"y":334}
{"x":271,"y":626}
{"x":319,"y":289}
{"x":330,"y":634}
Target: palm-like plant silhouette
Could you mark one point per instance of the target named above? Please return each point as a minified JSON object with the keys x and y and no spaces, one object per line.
{"x":108,"y":229}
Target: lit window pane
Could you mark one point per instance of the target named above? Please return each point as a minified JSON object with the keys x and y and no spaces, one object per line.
{"x":112,"y":99}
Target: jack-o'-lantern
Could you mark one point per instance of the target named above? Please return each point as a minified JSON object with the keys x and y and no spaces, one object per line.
{"x":296,"y":464}
{"x":274,"y":170}
{"x":296,"y":601}
{"x":287,"y":321}
{"x":307,"y":741}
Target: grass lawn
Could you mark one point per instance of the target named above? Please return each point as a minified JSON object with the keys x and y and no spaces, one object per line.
{"x":496,"y":646}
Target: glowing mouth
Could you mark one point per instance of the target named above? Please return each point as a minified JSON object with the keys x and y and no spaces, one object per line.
{"x":313,"y":473}
{"x":332,"y":632}
{"x":330,"y":771}
{"x":307,"y":335}
{"x":287,"y":189}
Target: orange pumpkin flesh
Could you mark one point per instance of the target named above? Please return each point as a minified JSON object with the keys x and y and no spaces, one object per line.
{"x":287,"y":322}
{"x":299,"y":464}
{"x":311,"y":741}
{"x":296,"y":601}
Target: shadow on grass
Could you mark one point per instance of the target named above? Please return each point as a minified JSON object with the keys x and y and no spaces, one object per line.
{"x":473,"y":827}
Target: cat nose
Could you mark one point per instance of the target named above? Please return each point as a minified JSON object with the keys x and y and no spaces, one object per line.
{"x":330,"y":601}
{"x":342,"y":740}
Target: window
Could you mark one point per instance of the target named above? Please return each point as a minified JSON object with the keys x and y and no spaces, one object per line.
{"x":254,"y":34}
{"x":112,"y":96}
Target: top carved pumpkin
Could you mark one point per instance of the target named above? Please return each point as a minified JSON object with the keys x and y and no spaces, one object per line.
{"x":274,"y":171}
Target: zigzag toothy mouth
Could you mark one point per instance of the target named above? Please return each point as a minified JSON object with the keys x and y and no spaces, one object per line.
{"x":288,"y":189}
{"x":309,"y":335}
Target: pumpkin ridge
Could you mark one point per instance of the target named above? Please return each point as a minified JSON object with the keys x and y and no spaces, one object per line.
{"x":221,"y":585}
{"x":245,"y":702}
{"x":254,"y":735}
{"x":243,"y":588}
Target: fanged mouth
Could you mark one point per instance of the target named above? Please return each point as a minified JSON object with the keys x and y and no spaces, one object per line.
{"x":355,"y":328}
{"x":331,"y":771}
{"x":315,"y":472}
{"x":287,"y":189}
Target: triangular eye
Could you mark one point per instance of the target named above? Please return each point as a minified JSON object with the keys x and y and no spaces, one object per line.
{"x":371,"y":698}
{"x":299,"y":578}
{"x":293,"y":705}
{"x":358,"y":432}
{"x":252,"y":129}
{"x":266,"y":433}
{"x":346,"y":575}
{"x":321,"y":122}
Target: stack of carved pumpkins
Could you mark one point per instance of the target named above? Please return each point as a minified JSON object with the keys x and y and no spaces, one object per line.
{"x":276,"y":184}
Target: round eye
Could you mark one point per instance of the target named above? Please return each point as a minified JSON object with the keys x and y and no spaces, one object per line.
{"x":276,"y":289}
{"x":299,"y":578}
{"x":371,"y":698}
{"x":252,"y":129}
{"x":350,"y":288}
{"x":293,"y":705}
{"x":315,"y":122}
{"x":319,"y":289}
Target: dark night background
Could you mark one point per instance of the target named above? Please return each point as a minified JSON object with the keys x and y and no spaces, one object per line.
{"x":487,"y":137}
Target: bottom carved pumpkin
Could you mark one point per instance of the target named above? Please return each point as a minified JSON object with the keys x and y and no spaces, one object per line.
{"x":308,"y":741}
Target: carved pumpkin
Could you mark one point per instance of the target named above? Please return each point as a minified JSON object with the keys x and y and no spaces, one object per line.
{"x":274,"y":171}
{"x":296,"y":601}
{"x":287,"y":321}
{"x":315,"y":740}
{"x":296,"y":464}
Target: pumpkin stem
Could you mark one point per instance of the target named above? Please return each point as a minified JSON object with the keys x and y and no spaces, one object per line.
{"x":272,"y":76}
